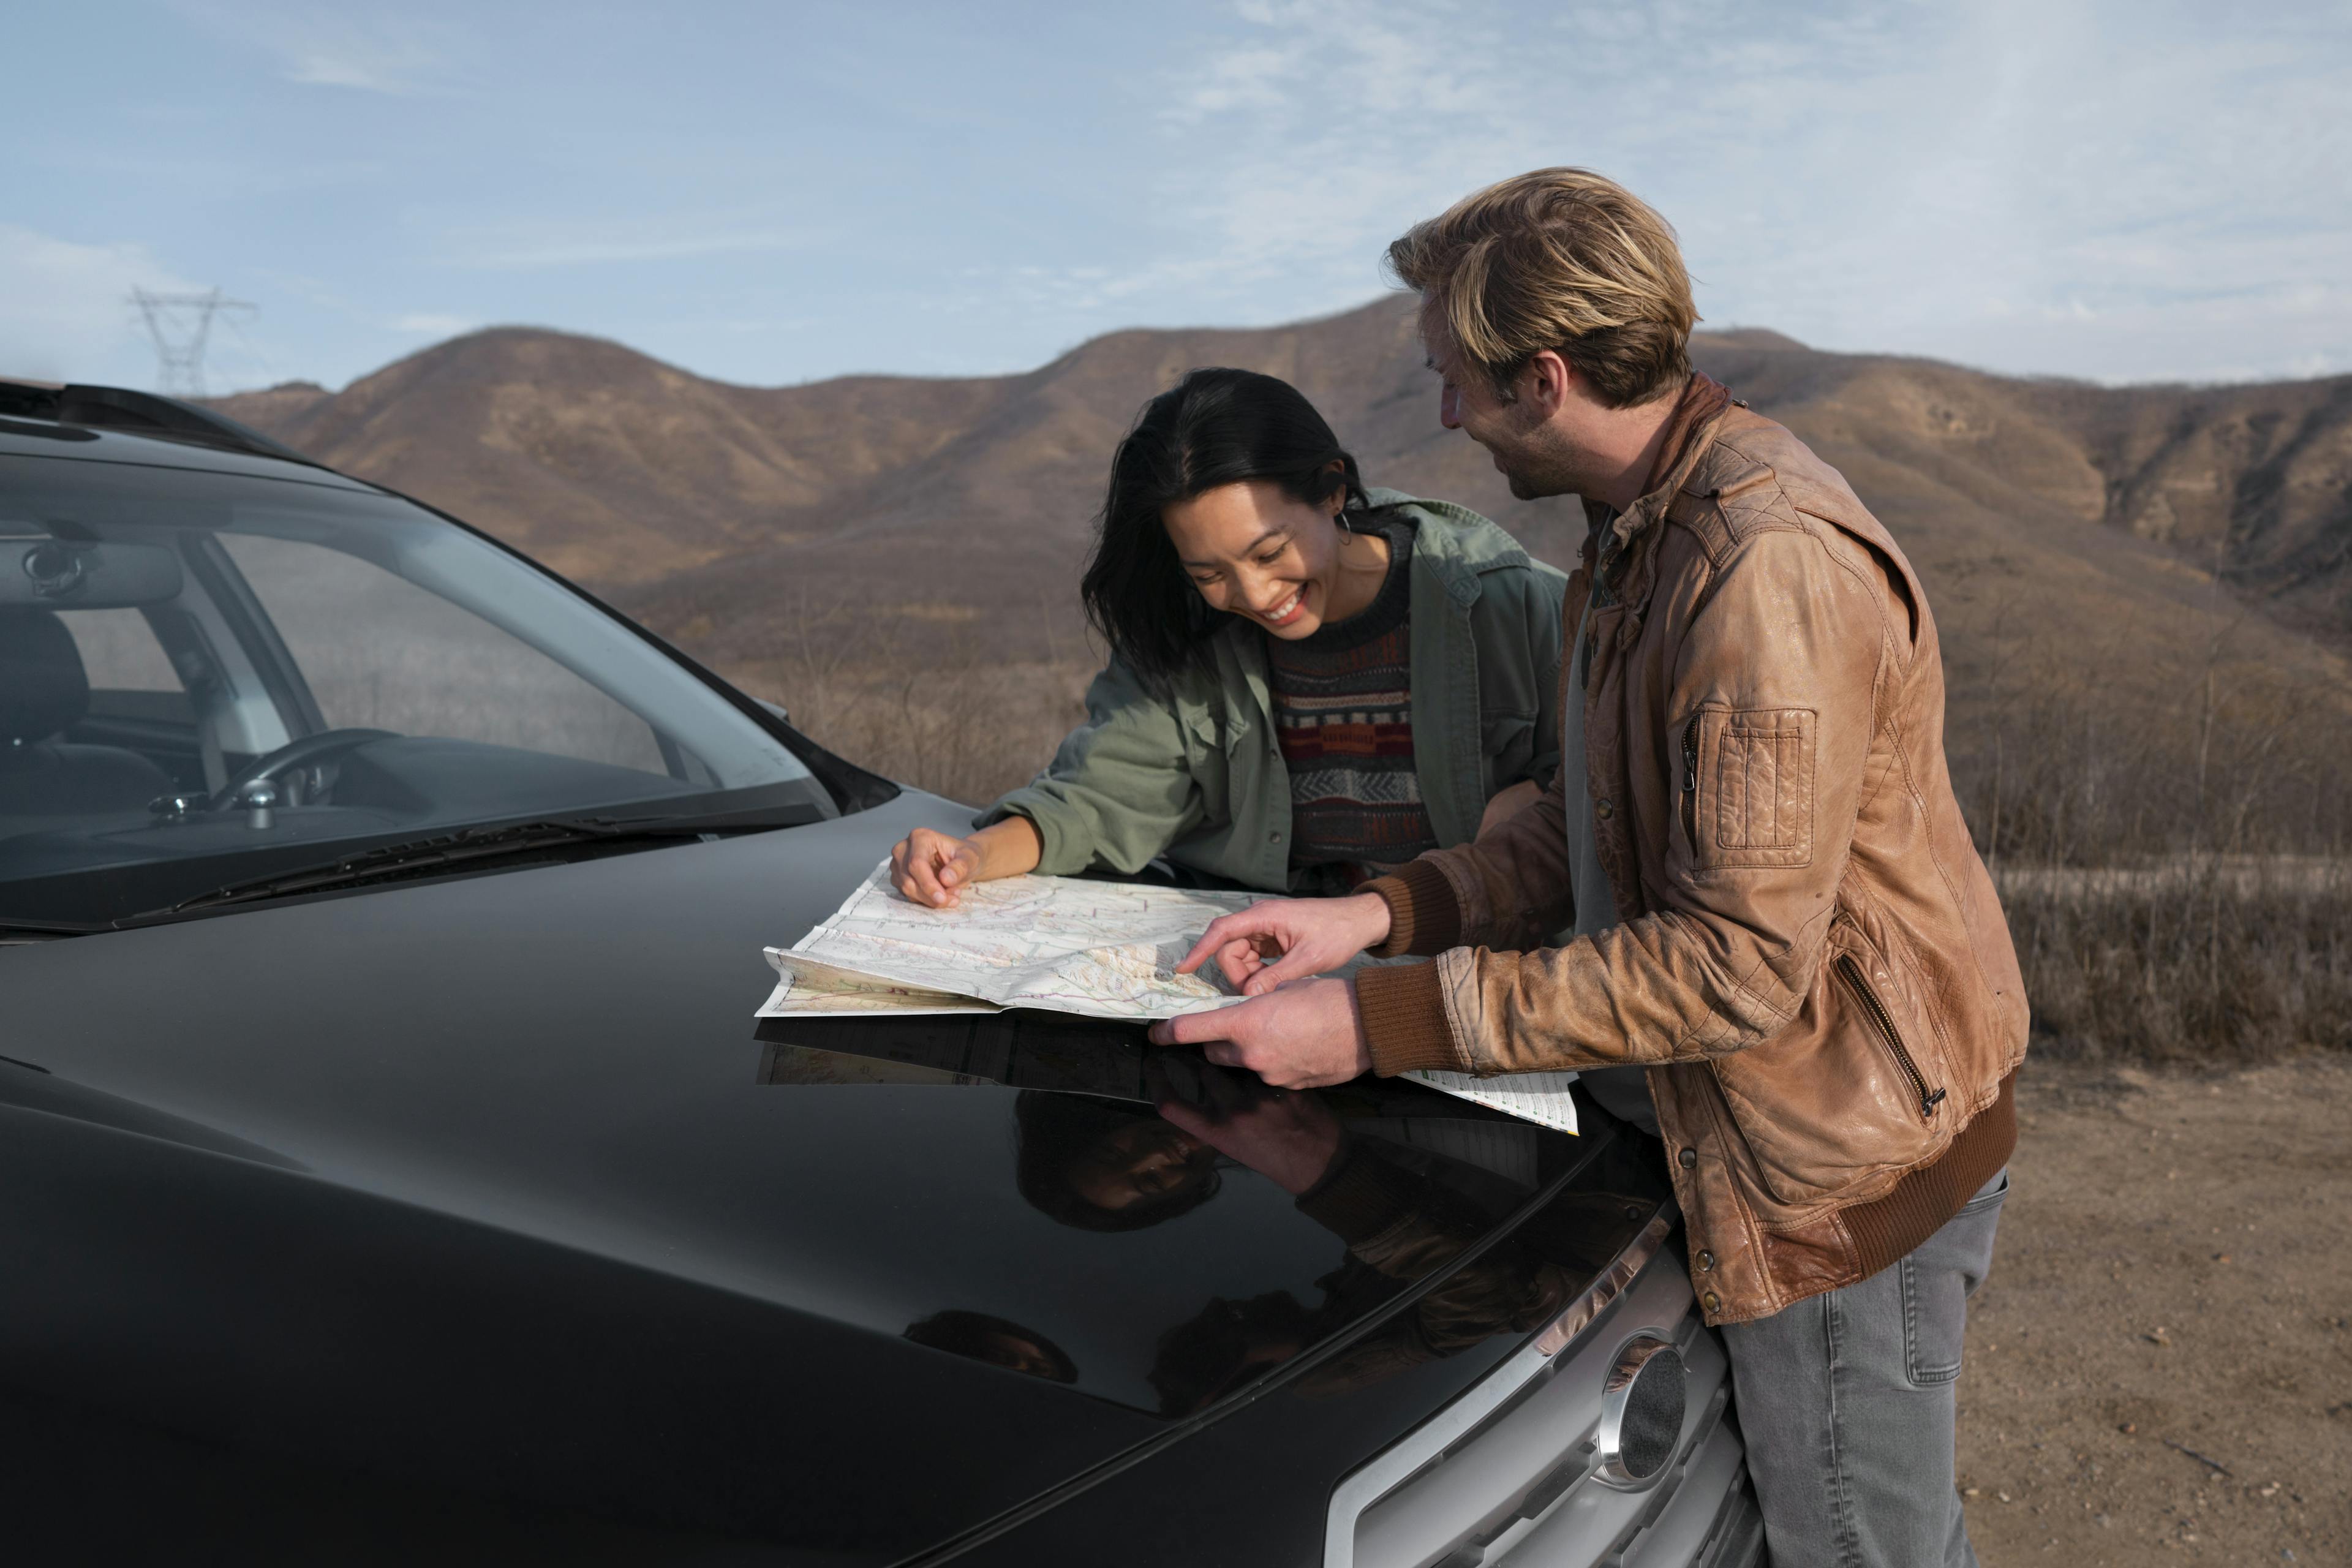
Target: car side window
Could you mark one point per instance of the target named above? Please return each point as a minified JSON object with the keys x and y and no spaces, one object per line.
{"x":119,"y":653}
{"x":379,"y":652}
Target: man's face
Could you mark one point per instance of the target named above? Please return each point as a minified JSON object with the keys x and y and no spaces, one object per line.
{"x":1525,"y":451}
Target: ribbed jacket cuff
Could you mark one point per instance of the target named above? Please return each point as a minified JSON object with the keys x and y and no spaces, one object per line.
{"x":1358,"y":1197}
{"x":1424,"y":918}
{"x":1889,"y":1229}
{"x":1403,"y":1012}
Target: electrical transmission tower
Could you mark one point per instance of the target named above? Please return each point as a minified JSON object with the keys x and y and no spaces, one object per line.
{"x":181,"y":325}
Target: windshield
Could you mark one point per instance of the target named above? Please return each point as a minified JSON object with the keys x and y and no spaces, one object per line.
{"x":208,"y":677}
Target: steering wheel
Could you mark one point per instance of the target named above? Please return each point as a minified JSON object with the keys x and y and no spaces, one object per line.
{"x":293,"y":754}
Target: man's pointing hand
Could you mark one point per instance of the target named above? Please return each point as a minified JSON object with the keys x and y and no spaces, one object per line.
{"x":1281,"y":940}
{"x":1304,"y":1035}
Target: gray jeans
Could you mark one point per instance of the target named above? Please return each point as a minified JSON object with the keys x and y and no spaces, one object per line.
{"x":1847,"y":1402}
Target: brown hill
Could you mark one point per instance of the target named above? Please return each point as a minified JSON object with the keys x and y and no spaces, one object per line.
{"x":631,"y":474}
{"x":2119,"y":544}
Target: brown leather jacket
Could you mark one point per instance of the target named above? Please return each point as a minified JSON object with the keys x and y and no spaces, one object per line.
{"x":1813,"y":961}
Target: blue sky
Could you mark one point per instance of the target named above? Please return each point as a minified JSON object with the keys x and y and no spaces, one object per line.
{"x":778,"y":192}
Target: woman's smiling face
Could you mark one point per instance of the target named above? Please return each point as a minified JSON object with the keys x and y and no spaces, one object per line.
{"x":1254,"y":551}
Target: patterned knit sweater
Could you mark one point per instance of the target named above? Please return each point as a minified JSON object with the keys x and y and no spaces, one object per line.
{"x":1343,"y":710}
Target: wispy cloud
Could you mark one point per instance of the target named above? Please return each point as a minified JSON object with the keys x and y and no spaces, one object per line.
{"x":382,"y":50}
{"x":429,"y":324}
{"x":374,"y":64}
{"x":1944,"y":180}
{"x":2113,"y":188}
{"x":65,"y":304}
{"x":524,"y":245}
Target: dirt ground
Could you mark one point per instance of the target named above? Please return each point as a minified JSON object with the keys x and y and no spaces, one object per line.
{"x":2174,"y":1273}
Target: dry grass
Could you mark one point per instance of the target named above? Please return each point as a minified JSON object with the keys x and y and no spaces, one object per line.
{"x":2071,"y":754}
{"x":938,"y":714}
{"x":2194,"y":962}
{"x":2173,"y":849}
{"x":2178,"y":873}
{"x":966,"y":730}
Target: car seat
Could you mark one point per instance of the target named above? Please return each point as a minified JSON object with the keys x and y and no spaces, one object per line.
{"x":44,"y":691}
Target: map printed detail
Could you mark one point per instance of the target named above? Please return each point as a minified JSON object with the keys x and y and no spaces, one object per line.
{"x":1538,"y":1097}
{"x":1067,"y":944}
{"x":1064,"y":945}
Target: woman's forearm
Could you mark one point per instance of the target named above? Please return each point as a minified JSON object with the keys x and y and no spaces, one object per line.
{"x":1007,"y":849}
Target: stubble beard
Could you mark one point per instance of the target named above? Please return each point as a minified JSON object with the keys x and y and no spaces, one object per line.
{"x":1532,"y":475}
{"x":1523,"y":488}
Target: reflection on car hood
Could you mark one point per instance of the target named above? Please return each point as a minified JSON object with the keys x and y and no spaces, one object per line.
{"x":566,"y":1056}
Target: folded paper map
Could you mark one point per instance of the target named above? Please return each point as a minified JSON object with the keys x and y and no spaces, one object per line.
{"x":1063,"y":944}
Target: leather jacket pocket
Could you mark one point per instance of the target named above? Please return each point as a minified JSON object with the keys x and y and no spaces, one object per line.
{"x":1747,"y":794}
{"x":1842,"y":1096}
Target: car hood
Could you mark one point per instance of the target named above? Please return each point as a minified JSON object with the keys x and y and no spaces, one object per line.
{"x":546,"y":1087}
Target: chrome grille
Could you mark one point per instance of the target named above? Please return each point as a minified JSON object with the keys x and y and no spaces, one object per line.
{"x":1520,"y":1471}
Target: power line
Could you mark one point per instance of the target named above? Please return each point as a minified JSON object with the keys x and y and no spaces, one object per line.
{"x":180,"y":325}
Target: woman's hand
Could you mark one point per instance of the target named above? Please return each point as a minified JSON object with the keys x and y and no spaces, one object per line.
{"x":929,"y":867}
{"x":1282,"y":940}
{"x":933,"y":868}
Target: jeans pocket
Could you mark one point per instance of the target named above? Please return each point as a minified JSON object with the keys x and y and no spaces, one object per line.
{"x":1934,"y":1321}
{"x":1989,"y":1197}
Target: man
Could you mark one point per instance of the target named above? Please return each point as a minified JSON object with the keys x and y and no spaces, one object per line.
{"x":1786,"y":958}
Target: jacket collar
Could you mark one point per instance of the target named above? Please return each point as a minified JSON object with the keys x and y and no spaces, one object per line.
{"x":1456,"y":544}
{"x":1690,"y":430}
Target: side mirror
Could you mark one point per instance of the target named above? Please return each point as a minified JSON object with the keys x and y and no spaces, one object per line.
{"x":775,"y":708}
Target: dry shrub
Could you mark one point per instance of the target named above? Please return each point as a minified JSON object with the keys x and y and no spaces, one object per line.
{"x":2171,"y":848}
{"x":968,"y":731}
{"x":2065,"y":756}
{"x":2171,"y":851}
{"x":917,"y":698}
{"x":2194,"y":962}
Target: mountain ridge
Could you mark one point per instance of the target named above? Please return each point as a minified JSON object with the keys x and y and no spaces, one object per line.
{"x":2059,"y":524}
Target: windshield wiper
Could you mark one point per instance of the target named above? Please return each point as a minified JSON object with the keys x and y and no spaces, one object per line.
{"x":477,"y":849}
{"x":16,"y":930}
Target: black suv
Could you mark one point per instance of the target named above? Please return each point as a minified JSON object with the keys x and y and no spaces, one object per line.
{"x":390,"y":1169}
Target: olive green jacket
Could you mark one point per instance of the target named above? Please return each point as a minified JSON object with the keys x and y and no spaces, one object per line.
{"x":1196,"y":774}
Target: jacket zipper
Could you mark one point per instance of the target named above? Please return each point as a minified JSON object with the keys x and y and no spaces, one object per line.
{"x":1879,"y":1016}
{"x":1690,"y":781}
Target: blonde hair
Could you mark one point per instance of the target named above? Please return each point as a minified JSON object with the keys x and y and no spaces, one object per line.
{"x":1563,"y":260}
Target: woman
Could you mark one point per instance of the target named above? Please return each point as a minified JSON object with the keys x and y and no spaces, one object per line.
{"x":1309,"y":683}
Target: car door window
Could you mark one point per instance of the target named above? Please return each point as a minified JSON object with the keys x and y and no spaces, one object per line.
{"x":119,"y":653}
{"x":379,"y":652}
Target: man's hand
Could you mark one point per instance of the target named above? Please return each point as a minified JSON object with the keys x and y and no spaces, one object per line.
{"x":1308,"y":936}
{"x":1304,"y":1035}
{"x":930,"y":867}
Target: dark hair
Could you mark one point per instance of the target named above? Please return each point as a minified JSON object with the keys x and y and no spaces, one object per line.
{"x":1213,"y":428}
{"x":1055,"y":1130}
